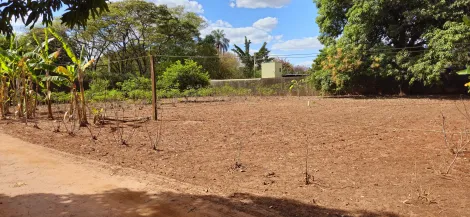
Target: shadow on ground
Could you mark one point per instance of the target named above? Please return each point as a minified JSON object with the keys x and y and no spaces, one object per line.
{"x":123,"y":202}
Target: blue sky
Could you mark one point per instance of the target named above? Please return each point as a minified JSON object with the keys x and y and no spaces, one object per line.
{"x":287,"y":25}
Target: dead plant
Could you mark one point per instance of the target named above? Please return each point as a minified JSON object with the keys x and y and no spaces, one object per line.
{"x":70,"y":123}
{"x":119,"y":131}
{"x":155,"y":142}
{"x":459,"y":145}
{"x":308,"y":178}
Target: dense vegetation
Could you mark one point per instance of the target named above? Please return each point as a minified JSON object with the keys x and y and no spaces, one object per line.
{"x":369,"y":45}
{"x":402,"y":42}
{"x":110,"y":59}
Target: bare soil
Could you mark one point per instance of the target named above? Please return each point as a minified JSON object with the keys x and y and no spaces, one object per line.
{"x":366,"y":157}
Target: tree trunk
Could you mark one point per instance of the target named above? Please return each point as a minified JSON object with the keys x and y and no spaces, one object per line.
{"x":48,"y":97}
{"x":404,"y":88}
{"x":25,"y":98}
{"x":19,"y":100}
{"x":83,"y":119}
{"x":2,"y":98}
{"x":77,"y":105}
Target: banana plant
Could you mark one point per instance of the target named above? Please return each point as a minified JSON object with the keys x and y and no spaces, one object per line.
{"x":11,"y":77}
{"x":46,"y":63}
{"x":74,"y":72}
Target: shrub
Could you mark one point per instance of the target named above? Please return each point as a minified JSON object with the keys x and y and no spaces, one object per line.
{"x":228,"y":90}
{"x":205,"y":92}
{"x":112,"y":95}
{"x":99,"y":85}
{"x":137,"y":83}
{"x":140,"y":95}
{"x":184,"y":76}
{"x":265,"y":91}
{"x":170,"y":93}
{"x":60,"y":97}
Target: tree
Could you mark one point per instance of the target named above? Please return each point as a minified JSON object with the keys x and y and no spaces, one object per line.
{"x":245,"y":58}
{"x":408,"y":40}
{"x":72,"y":73}
{"x":221,"y":43}
{"x":262,"y":56}
{"x":230,"y":66}
{"x":211,"y":60}
{"x":133,"y":29}
{"x":185,"y":76}
{"x":76,"y":13}
{"x":300,"y":69}
{"x":248,"y":60}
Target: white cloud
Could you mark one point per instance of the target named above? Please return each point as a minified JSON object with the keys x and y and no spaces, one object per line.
{"x":266,"y":24}
{"x":221,"y":24}
{"x":278,"y":38}
{"x":189,"y":5}
{"x":232,"y":4}
{"x":192,"y":6}
{"x":298,"y":44}
{"x":260,"y":3}
{"x":258,"y":33}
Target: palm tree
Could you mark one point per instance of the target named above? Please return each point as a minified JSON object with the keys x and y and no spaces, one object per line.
{"x":221,"y":43}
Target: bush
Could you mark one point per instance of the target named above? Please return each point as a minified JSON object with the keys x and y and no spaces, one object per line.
{"x":60,"y":97}
{"x":137,"y":83}
{"x":138,"y":88}
{"x":205,"y":92}
{"x":98,"y":92}
{"x":99,"y":85}
{"x":265,"y":91}
{"x":184,"y":76}
{"x":171,"y":93}
{"x":140,"y":95}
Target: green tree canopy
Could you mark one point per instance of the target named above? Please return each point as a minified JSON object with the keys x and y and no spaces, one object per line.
{"x":408,"y":40}
{"x":29,"y":12}
{"x":137,"y":28}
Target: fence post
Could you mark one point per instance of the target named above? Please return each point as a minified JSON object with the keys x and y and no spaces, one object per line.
{"x":154,"y":90}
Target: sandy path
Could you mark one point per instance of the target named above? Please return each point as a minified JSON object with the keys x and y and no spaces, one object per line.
{"x":37,"y":181}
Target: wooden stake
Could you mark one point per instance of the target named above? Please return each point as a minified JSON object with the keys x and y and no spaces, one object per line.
{"x":154,"y":91}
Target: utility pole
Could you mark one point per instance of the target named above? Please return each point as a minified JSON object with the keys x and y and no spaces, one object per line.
{"x":154,"y":91}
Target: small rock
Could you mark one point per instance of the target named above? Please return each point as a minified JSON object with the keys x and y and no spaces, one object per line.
{"x":270,"y":174}
{"x":19,"y":184}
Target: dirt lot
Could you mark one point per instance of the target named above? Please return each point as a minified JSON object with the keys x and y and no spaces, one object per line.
{"x":366,"y":156}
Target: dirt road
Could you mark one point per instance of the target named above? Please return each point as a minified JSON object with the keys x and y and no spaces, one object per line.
{"x":36,"y":181}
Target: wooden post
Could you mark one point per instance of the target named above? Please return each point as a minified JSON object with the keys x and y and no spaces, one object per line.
{"x":154,"y":90}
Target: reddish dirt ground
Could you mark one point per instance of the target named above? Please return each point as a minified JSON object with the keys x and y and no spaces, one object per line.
{"x":373,"y":157}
